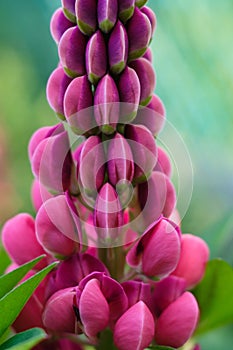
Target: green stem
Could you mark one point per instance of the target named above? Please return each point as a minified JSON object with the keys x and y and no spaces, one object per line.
{"x":106,"y":341}
{"x":114,"y":260}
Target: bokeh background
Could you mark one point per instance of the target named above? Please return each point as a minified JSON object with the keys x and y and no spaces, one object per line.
{"x":193,"y":57}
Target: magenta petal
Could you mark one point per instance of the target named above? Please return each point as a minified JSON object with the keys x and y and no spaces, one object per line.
{"x":93,"y":309}
{"x":147,"y":79}
{"x":148,"y":55}
{"x":39,"y":194}
{"x":152,"y":116}
{"x":144,"y":150}
{"x":163,"y":164}
{"x":177,"y":322}
{"x":86,"y":12}
{"x":107,"y":14}
{"x":129,"y":91}
{"x":19,"y":239}
{"x":136,"y":291}
{"x":135,"y":328}
{"x":106,"y":104}
{"x":120,"y":160}
{"x":72,"y":48}
{"x":55,"y":227}
{"x":59,"y":24}
{"x":77,"y":105}
{"x":118,"y":49}
{"x":41,"y":134}
{"x":56,"y":88}
{"x":157,"y":252}
{"x":151,"y":16}
{"x":193,"y":259}
{"x":96,"y":57}
{"x":108,"y":216}
{"x":58,"y":314}
{"x":139,"y":34}
{"x":126,"y":9}
{"x":69,"y":9}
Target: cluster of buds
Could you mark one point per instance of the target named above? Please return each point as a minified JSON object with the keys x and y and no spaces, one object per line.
{"x":105,"y":204}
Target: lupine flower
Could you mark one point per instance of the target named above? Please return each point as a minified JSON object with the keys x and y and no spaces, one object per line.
{"x":193,"y":258}
{"x":152,"y":116}
{"x":139,"y":34}
{"x":158,"y":250}
{"x":163,"y":164}
{"x":96,"y":57}
{"x":39,"y":194}
{"x":59,"y":24}
{"x":135,"y":328}
{"x":118,"y":49}
{"x":86,"y":13}
{"x":19,"y":240}
{"x":177,"y":322}
{"x":138,"y":291}
{"x":108,"y":216}
{"x":72,"y":48}
{"x":152,"y":18}
{"x":107,"y":14}
{"x":69,"y":9}
{"x":120,"y":161}
{"x":106,"y":105}
{"x":146,"y":77}
{"x":148,"y":55}
{"x":56,"y":88}
{"x":126,"y":9}
{"x":140,"y":3}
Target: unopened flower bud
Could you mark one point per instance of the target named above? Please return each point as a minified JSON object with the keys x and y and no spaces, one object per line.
{"x":72,"y":49}
{"x":140,"y":3}
{"x":107,"y":14}
{"x":135,"y":328}
{"x":59,"y":24}
{"x":148,"y":55}
{"x":69,"y":9}
{"x":125,"y":9}
{"x":118,"y":49}
{"x":177,"y":322}
{"x":96,"y":57}
{"x":86,"y":13}
{"x":39,"y":194}
{"x":157,"y":252}
{"x":146,"y":77}
{"x":139,"y":34}
{"x":56,"y":88}
{"x":193,"y":259}
{"x":152,"y":18}
{"x":163,"y":164}
{"x":106,"y":105}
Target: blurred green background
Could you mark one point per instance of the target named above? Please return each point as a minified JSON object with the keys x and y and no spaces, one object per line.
{"x":193,"y":57}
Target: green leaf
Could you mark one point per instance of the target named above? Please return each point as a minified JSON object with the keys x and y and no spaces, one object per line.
{"x":13,"y":302}
{"x":25,"y":340}
{"x":214,"y":296}
{"x":11,"y":279}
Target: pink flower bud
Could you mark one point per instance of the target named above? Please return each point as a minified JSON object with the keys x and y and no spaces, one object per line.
{"x":138,"y":291}
{"x":86,"y":13}
{"x":152,"y":18}
{"x":52,"y":162}
{"x":107,"y":14}
{"x":129,"y":91}
{"x":96,"y":57}
{"x":69,"y":9}
{"x":59,"y":24}
{"x":58,"y":314}
{"x":135,"y":328}
{"x":163,"y":164}
{"x":125,"y":9}
{"x":78,"y":98}
{"x":158,"y":250}
{"x":57,"y":227}
{"x":139,"y":34}
{"x":197,"y":347}
{"x":156,"y":196}
{"x":120,"y":161}
{"x":108,"y":216}
{"x":147,"y":78}
{"x":148,"y":55}
{"x":193,"y":258}
{"x":71,"y":49}
{"x":72,"y":270}
{"x":106,"y":103}
{"x":92,"y":158}
{"x":56,"y":88}
{"x":19,"y":240}
{"x":118,"y":49}
{"x":152,"y":116}
{"x":112,"y":292}
{"x":39,"y":194}
{"x":144,"y":150}
{"x":166,"y":292}
{"x":177,"y":322}
{"x":140,"y":3}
